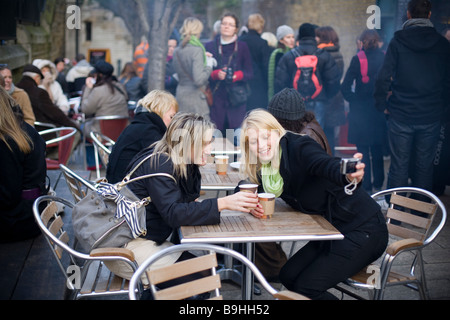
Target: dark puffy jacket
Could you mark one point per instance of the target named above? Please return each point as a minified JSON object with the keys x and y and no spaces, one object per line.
{"x":145,"y":129}
{"x":327,"y":70}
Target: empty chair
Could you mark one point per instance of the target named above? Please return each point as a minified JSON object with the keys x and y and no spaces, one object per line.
{"x":205,"y":262}
{"x":84,"y":274}
{"x":64,"y":140}
{"x":112,"y":126}
{"x":413,"y":224}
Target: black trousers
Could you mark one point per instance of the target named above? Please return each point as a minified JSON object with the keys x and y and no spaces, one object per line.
{"x":317,"y":267}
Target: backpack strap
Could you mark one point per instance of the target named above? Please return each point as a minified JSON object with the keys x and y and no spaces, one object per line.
{"x":312,"y":60}
{"x":364,"y":66}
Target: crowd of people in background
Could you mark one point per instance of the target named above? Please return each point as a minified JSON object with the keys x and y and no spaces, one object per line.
{"x":395,"y":101}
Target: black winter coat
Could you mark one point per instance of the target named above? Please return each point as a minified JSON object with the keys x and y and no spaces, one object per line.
{"x":260,"y":52}
{"x":366,"y":124}
{"x":145,"y":129}
{"x":313,"y":185}
{"x":18,"y":172}
{"x":327,"y":69}
{"x":418,"y":62}
{"x":173,"y":204}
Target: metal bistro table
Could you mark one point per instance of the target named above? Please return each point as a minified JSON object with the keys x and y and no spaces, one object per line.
{"x":238,"y":227}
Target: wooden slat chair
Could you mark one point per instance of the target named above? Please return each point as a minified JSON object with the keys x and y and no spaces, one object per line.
{"x":102,"y":147}
{"x":205,"y":262}
{"x":94,"y":277}
{"x":78,"y":186}
{"x":411,"y":228}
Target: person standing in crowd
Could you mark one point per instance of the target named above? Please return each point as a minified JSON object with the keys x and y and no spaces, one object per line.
{"x":367,"y":125}
{"x":23,"y":172}
{"x":260,"y":52}
{"x":229,"y":78}
{"x":130,"y":80}
{"x":416,"y":70}
{"x":43,"y":107}
{"x":328,"y":40}
{"x":193,"y":65}
{"x":286,"y":42}
{"x":319,"y":85}
{"x":77,"y":75}
{"x":19,"y":95}
{"x":103,"y":96}
{"x":52,"y":86}
{"x":153,"y":115}
{"x":140,"y":57}
{"x":314,"y":187}
{"x":174,"y":200}
{"x":170,"y":80}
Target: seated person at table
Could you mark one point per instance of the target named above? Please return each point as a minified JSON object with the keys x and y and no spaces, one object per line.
{"x":297,"y":169}
{"x":22,"y":172}
{"x":152,"y":117}
{"x":184,"y":147}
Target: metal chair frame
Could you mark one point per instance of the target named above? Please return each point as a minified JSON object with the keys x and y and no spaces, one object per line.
{"x":101,"y":149}
{"x":94,"y":278}
{"x":77,"y":185}
{"x":412,"y":241}
{"x":211,"y":250}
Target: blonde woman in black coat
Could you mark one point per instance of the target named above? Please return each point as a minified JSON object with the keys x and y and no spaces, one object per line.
{"x":298,"y":170}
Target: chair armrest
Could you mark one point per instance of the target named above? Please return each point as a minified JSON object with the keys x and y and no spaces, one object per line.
{"x":289,"y":295}
{"x":397,"y":246}
{"x":119,"y":252}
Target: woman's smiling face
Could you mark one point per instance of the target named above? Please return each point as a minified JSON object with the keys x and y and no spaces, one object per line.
{"x":263,"y":143}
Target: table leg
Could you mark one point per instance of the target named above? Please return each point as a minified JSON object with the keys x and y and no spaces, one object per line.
{"x":247,"y":275}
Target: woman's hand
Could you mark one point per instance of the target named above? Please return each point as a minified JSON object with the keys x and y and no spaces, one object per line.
{"x":258,"y":212}
{"x":359,"y":174}
{"x":241,"y":201}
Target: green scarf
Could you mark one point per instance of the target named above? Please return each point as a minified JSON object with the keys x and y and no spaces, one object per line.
{"x":271,"y":70}
{"x":271,"y":179}
{"x":196,"y":42}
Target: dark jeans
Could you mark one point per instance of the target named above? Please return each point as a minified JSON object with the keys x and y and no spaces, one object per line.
{"x":412,"y":142}
{"x":315,"y":268}
{"x":374,"y":171}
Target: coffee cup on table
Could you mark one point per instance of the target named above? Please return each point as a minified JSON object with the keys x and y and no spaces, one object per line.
{"x":267,"y":201}
{"x":221,"y":164}
{"x":248,"y":187}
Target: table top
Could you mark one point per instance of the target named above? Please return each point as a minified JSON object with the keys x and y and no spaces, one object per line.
{"x":286,"y":224}
{"x":212,"y":181}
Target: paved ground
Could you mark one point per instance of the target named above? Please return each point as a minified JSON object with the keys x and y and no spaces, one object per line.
{"x":28,"y":270}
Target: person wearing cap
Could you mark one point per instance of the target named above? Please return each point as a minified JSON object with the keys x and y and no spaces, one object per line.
{"x":288,"y":107}
{"x":298,"y":170}
{"x":327,"y":71}
{"x":44,"y":109}
{"x":286,"y":41}
{"x":103,"y":96}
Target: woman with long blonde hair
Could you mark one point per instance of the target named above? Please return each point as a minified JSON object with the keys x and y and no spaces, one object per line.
{"x":193,"y":66}
{"x":152,"y":117}
{"x":297,"y":169}
{"x":183,"y":149}
{"x":22,"y":172}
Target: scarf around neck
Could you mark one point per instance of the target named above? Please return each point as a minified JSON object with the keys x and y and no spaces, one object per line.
{"x":197,"y":43}
{"x":271,"y":70}
{"x":272,"y":180}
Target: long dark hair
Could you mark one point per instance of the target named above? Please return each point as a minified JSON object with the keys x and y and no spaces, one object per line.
{"x":105,"y":79}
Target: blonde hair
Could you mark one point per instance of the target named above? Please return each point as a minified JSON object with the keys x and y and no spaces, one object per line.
{"x":256,"y":22}
{"x":257,"y":119}
{"x":159,"y":102}
{"x":191,"y":27}
{"x":10,"y":126}
{"x":186,"y":132}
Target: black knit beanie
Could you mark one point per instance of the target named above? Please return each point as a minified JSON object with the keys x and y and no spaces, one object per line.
{"x":287,"y":104}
